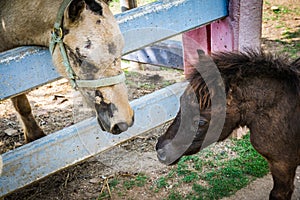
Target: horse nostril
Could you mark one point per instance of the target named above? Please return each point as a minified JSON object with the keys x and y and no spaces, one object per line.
{"x":132,"y":120}
{"x":161,"y":155}
{"x":119,"y":128}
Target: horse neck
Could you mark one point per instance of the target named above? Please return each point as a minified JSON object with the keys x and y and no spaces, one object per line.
{"x":26,"y":22}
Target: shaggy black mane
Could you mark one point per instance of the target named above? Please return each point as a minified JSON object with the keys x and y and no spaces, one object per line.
{"x":235,"y":66}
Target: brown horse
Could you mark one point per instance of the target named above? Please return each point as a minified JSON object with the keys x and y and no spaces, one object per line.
{"x":261,"y":91}
{"x":88,"y":34}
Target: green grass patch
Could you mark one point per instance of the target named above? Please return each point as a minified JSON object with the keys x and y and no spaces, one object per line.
{"x":137,"y":181}
{"x":103,"y":196}
{"x":291,"y":48}
{"x":289,"y":34}
{"x":230,"y":176}
{"x":141,"y":180}
{"x":213,"y":175}
{"x":175,"y":196}
{"x":161,"y":182}
{"x":282,"y":10}
{"x":150,"y":86}
{"x":113,"y":182}
{"x":276,"y":14}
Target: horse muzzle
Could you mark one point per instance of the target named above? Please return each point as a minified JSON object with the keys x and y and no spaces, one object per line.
{"x":115,"y":128}
{"x":114,"y":112}
{"x":109,"y":123}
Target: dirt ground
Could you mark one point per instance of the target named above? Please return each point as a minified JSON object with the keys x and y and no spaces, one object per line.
{"x":53,"y":107}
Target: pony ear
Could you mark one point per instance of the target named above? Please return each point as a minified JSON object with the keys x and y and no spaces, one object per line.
{"x":200,"y":52}
{"x":75,"y":9}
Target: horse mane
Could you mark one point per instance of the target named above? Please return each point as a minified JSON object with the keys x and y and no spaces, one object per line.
{"x":234,"y":66}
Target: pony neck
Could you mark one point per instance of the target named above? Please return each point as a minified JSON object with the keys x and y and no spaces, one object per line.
{"x":257,"y":96}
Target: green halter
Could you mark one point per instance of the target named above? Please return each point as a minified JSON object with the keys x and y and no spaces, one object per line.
{"x":57,"y":38}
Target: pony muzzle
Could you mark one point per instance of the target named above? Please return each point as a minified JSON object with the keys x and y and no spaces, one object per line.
{"x":168,"y":154}
{"x":167,"y":159}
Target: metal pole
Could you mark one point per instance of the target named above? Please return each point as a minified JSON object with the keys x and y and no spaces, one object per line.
{"x":127,"y":5}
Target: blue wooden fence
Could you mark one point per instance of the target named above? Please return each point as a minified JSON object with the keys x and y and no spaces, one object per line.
{"x":25,"y":68}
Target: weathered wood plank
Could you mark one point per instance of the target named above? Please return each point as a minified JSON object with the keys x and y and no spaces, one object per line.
{"x":160,"y":20}
{"x":31,"y":66}
{"x":167,"y":53}
{"x":25,"y":68}
{"x":236,"y":32}
{"x":66,"y":147}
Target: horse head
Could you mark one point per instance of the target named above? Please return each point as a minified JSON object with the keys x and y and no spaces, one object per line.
{"x":86,"y":46}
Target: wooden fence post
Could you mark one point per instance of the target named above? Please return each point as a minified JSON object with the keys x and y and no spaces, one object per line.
{"x":239,"y":30}
{"x":127,"y":5}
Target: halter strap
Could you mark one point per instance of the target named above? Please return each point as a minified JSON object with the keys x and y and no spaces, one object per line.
{"x":57,"y":38}
{"x":60,"y":13}
{"x":57,"y":34}
{"x":102,"y":82}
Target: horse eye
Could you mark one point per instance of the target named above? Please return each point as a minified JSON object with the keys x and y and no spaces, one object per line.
{"x":202,"y":122}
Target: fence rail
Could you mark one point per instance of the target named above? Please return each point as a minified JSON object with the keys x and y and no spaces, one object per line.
{"x":25,"y":68}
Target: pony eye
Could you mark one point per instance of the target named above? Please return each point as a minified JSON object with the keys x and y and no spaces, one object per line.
{"x":202,"y":122}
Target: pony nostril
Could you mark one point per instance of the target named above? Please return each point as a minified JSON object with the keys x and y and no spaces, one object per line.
{"x":161,"y":155}
{"x":119,"y":128}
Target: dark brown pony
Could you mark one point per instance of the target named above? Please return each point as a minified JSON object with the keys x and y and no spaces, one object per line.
{"x":262,"y":92}
{"x":93,"y":46}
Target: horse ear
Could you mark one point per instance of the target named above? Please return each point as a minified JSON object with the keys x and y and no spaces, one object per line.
{"x":75,"y":9}
{"x":107,"y":1}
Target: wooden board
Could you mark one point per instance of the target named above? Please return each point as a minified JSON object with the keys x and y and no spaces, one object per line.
{"x":26,"y":68}
{"x":66,"y":147}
